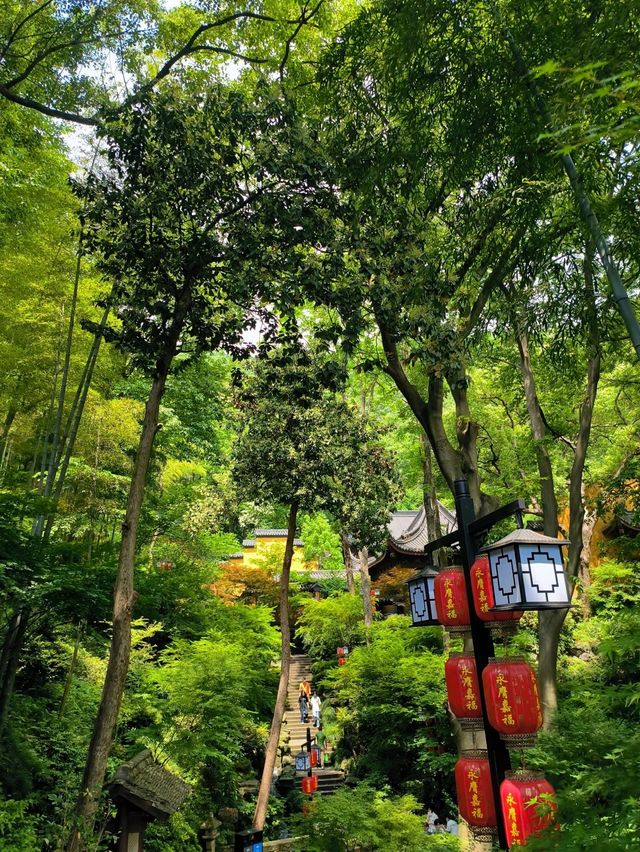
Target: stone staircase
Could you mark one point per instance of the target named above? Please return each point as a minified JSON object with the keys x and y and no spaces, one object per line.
{"x":300,"y":670}
{"x":294,"y":732}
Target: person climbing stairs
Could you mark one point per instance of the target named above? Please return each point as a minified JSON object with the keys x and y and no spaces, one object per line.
{"x":293,"y":735}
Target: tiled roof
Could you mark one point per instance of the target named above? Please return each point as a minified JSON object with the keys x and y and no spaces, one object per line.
{"x":270,"y":533}
{"x":248,"y":542}
{"x":260,"y":533}
{"x":408,"y":533}
{"x":414,"y":537}
{"x":149,"y":785}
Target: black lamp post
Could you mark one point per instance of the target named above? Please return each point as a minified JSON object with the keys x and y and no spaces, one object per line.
{"x":528,"y":574}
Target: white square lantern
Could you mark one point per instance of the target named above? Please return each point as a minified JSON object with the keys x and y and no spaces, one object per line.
{"x":422,"y":598}
{"x":527,"y":572}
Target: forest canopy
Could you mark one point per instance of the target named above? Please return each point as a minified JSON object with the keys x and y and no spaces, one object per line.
{"x":293,"y":267}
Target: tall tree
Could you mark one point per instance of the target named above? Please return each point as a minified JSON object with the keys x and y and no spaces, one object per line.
{"x":302,"y":447}
{"x":183,"y":218}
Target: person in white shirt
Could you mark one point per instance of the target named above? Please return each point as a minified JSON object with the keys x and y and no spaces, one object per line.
{"x":315,"y":709}
{"x":452,"y":826}
{"x":432,"y":816}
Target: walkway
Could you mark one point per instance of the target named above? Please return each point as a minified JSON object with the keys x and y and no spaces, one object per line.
{"x":294,"y":732}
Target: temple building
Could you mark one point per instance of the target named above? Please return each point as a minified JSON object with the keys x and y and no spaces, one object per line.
{"x":389,"y":569}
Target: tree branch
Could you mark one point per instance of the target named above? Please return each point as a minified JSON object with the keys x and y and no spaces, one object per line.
{"x":47,"y":110}
{"x":40,"y":58}
{"x":22,"y":23}
{"x":494,"y":279}
{"x":304,"y":19}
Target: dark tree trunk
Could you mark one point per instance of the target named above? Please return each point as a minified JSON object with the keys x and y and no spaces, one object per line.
{"x":6,"y":426}
{"x":271,"y":752}
{"x":365,"y":587}
{"x":123,"y":599}
{"x":550,"y":622}
{"x":430,"y":500}
{"x":348,"y":566}
{"x":453,"y":463}
{"x":539,"y":431}
{"x":9,"y":660}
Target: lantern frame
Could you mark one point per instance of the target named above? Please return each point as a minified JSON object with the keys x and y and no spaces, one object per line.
{"x":422,"y":598}
{"x":302,"y":761}
{"x":527,"y":572}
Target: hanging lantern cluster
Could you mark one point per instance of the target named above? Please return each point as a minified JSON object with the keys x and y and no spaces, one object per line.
{"x":523,"y":571}
{"x":528,"y":805}
{"x":343,"y":653}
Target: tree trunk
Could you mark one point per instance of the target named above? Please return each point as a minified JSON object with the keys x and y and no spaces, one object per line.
{"x":68,"y":438}
{"x":9,"y":660}
{"x":123,"y":598}
{"x":539,"y":431}
{"x":430,"y":500}
{"x":365,"y":587}
{"x":6,"y":426}
{"x":550,"y":622}
{"x":69,"y":678}
{"x":7,"y":673}
{"x":348,"y":565}
{"x":262,"y":802}
{"x":454,"y":464}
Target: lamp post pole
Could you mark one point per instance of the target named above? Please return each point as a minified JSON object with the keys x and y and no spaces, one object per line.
{"x":497,"y":752}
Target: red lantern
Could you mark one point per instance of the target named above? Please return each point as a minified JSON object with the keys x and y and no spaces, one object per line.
{"x":309,"y":784}
{"x":462,"y":687}
{"x":341,"y":652}
{"x":483,"y":600}
{"x":314,"y":756}
{"x":526,"y":806}
{"x":513,"y":706}
{"x":473,"y":786}
{"x":451,"y":599}
{"x":342,"y":661}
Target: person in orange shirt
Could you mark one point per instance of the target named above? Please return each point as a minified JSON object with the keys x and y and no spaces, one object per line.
{"x":305,"y":687}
